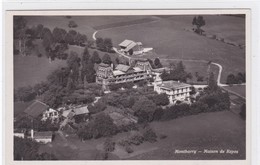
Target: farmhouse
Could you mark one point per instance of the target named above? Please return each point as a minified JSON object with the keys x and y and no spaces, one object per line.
{"x":174,"y":89}
{"x":38,"y":108}
{"x":123,"y":73}
{"x":130,"y":47}
{"x":42,"y":137}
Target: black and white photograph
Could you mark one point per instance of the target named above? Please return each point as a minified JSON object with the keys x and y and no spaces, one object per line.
{"x":156,"y":86}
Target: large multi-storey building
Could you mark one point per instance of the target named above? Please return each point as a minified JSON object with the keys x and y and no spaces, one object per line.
{"x":123,"y":73}
{"x":176,"y":91}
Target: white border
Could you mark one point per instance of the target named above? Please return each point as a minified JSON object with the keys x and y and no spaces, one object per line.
{"x":253,"y":5}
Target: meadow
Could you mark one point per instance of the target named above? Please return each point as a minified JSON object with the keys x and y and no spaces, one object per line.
{"x":191,"y":132}
{"x":170,"y":40}
{"x":167,"y":35}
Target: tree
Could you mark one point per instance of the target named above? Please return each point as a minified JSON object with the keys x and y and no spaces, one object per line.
{"x":157,"y":63}
{"x":101,"y":126}
{"x":25,"y":149}
{"x":117,"y":61}
{"x":73,"y":63}
{"x":100,"y":44}
{"x":48,"y":39}
{"x":109,"y":145}
{"x":95,"y":58}
{"x":20,"y":32}
{"x":39,"y":31}
{"x":161,"y":99}
{"x":106,"y":59}
{"x":243,"y":111}
{"x":231,"y":79}
{"x":70,"y":37}
{"x":144,"y":109}
{"x":72,"y":24}
{"x":212,"y":84}
{"x":59,"y":35}
{"x":85,"y":56}
{"x":108,"y":44}
{"x":241,"y":77}
{"x":198,"y":22}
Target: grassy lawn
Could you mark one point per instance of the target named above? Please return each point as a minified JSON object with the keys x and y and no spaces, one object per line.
{"x":30,"y":70}
{"x":167,"y":36}
{"x":239,"y":89}
{"x":169,"y":40}
{"x":219,"y":130}
{"x":19,"y":107}
{"x":213,"y":131}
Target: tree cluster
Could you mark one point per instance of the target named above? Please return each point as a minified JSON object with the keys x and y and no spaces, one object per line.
{"x":100,"y":126}
{"x":104,"y":45}
{"x":198,"y":22}
{"x":236,"y":79}
{"x":177,"y":73}
{"x":26,"y":149}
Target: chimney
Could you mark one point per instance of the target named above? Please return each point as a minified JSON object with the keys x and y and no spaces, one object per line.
{"x":32,"y":133}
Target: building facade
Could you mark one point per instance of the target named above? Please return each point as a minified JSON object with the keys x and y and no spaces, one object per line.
{"x":176,"y":91}
{"x":123,"y":73}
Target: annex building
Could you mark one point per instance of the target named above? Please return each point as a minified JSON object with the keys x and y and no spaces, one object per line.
{"x":176,"y":91}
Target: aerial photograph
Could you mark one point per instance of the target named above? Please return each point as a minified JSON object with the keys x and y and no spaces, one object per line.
{"x":129,"y":87}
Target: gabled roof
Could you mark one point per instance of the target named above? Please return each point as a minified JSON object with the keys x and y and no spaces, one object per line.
{"x":173,"y":85}
{"x":81,"y":110}
{"x":128,"y":44}
{"x":123,"y":68}
{"x":36,"y":108}
{"x":43,"y":135}
{"x":125,"y":43}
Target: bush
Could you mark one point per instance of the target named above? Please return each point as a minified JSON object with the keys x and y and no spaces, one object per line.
{"x":109,"y":145}
{"x":162,"y":136}
{"x":136,"y":138}
{"x":149,"y":135}
{"x":128,"y":149}
{"x":72,"y":24}
{"x":123,"y":142}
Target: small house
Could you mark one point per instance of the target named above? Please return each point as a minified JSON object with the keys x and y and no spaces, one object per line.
{"x":42,"y":137}
{"x":40,"y":109}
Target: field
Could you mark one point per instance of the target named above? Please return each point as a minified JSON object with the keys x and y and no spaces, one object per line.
{"x":238,"y":89}
{"x":167,"y":35}
{"x":30,"y":70}
{"x":192,"y":132}
{"x":196,"y":132}
{"x":169,"y":40}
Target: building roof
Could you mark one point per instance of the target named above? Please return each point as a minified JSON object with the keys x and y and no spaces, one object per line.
{"x":36,"y":108}
{"x":128,"y":44}
{"x":118,"y":72}
{"x":66,"y":113}
{"x":123,"y":68}
{"x":173,"y":85}
{"x":81,"y":110}
{"x":137,"y":69}
{"x":104,"y":65}
{"x":42,"y":135}
{"x":125,"y":43}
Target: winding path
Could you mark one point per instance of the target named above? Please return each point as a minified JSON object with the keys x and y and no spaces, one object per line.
{"x":94,"y":35}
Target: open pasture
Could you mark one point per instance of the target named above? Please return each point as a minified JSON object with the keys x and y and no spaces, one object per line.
{"x":196,"y":133}
{"x":169,"y":40}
